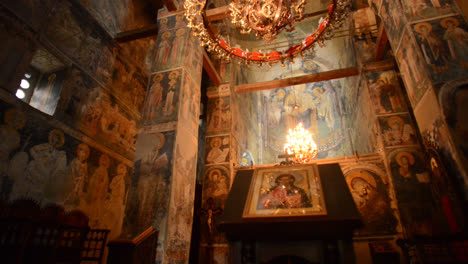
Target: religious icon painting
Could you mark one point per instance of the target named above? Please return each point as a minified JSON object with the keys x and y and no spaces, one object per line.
{"x":285,"y":192}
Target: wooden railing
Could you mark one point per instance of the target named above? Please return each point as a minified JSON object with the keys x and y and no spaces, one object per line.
{"x":31,"y":234}
{"x":140,"y":250}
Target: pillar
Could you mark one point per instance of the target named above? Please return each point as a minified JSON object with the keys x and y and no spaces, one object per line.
{"x":167,"y":145}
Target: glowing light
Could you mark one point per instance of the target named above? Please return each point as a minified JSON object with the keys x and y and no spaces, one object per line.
{"x":20,"y":94}
{"x":301,"y":144}
{"x":24,"y":84}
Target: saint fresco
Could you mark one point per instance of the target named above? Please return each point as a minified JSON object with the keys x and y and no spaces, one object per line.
{"x":371,"y":198}
{"x":443,"y":43}
{"x":397,"y":130}
{"x":162,"y":101}
{"x":217,"y":150}
{"x":47,"y":165}
{"x":386,"y":92}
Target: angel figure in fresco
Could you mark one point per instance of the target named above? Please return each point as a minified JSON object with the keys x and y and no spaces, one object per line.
{"x":284,"y":195}
{"x":457,"y":40}
{"x":178,"y":46}
{"x":46,"y":173}
{"x":168,"y":107}
{"x":216,"y":154}
{"x":11,"y":139}
{"x":155,"y":97}
{"x":399,"y":133}
{"x":432,"y":47}
{"x":164,"y":49}
{"x":78,"y":174}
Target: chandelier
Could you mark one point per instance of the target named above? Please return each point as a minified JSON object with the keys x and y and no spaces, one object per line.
{"x":266,"y":18}
{"x":300,"y":144}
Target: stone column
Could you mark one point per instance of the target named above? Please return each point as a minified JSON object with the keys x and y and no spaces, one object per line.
{"x":166,"y":153}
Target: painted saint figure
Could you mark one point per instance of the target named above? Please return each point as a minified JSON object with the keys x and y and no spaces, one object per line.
{"x":164,"y":49}
{"x":154,"y":101}
{"x":216,"y":154}
{"x":432,"y":47}
{"x":78,"y":174}
{"x":284,"y":195}
{"x":372,"y":205}
{"x":46,"y":173}
{"x":398,"y":133}
{"x":168,"y":107}
{"x":217,"y":118}
{"x":457,"y":40}
{"x":97,"y":190}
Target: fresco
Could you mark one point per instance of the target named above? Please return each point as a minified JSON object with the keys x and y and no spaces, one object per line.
{"x":447,"y":200}
{"x":151,"y":183}
{"x":412,"y":183}
{"x":85,"y":105}
{"x":394,"y":21}
{"x":74,"y":33}
{"x":162,"y":101}
{"x":193,"y":58}
{"x":182,"y":197}
{"x":422,"y":9}
{"x":397,"y":130}
{"x":118,"y":15}
{"x":217,"y":150}
{"x":362,"y":126}
{"x":443,"y":43}
{"x":216,"y":184}
{"x":47,"y":93}
{"x":43,"y":162}
{"x":128,"y":84}
{"x":372,"y":200}
{"x":219,"y":115}
{"x":189,"y":114}
{"x":319,"y":111}
{"x":411,"y":67}
{"x":171,"y":44}
{"x":386,"y":92}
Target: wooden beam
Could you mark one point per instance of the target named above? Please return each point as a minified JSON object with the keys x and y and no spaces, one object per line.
{"x":218,"y":13}
{"x":311,"y":78}
{"x":379,"y":65}
{"x":170,"y":5}
{"x":210,"y":69}
{"x":381,"y":45}
{"x":144,"y":32}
